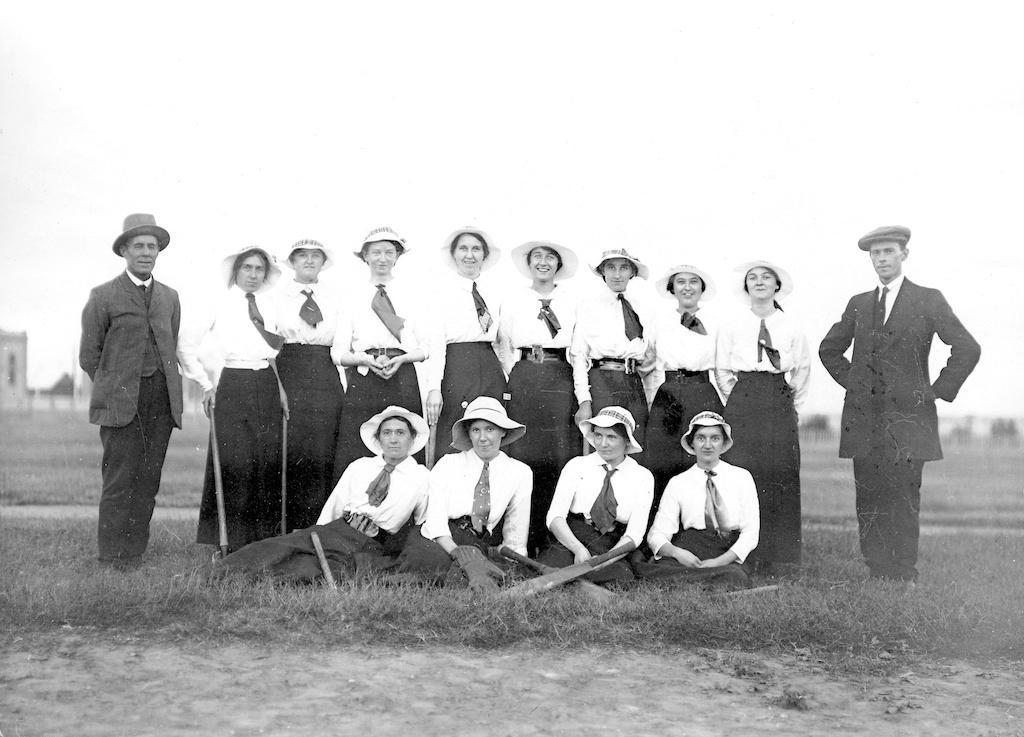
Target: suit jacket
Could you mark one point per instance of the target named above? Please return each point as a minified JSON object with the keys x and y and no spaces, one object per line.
{"x":115,"y":330}
{"x":888,"y":389}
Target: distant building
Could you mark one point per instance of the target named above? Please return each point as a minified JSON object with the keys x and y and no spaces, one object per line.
{"x":14,"y":367}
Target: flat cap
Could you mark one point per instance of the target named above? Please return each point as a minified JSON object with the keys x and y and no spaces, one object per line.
{"x":897,"y":233}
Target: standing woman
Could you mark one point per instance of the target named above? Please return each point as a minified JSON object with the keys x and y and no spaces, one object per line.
{"x":685,"y":347}
{"x":763,"y":366}
{"x":247,"y":402}
{"x":381,"y":336}
{"x":464,"y":364}
{"x":307,"y":318}
{"x":536,"y":330}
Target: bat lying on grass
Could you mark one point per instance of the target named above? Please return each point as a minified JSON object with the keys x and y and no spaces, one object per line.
{"x":570,"y":573}
{"x":595,"y":592}
{"x":326,"y":569}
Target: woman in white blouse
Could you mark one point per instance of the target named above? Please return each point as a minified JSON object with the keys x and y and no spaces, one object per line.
{"x":381,"y":338}
{"x":603,"y":500}
{"x":763,"y":367}
{"x":464,"y":364}
{"x":685,"y":349}
{"x":246,"y":402}
{"x":307,"y":318}
{"x":537,"y":323}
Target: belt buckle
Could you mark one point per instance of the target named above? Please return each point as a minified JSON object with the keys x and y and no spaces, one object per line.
{"x":536,"y":354}
{"x":630,"y":365}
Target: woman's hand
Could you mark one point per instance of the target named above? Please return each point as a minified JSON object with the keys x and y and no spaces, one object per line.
{"x":581,"y":555}
{"x":584,"y":412}
{"x":209,"y":400}
{"x":686,"y":558}
{"x":433,"y":406}
{"x":284,"y":400}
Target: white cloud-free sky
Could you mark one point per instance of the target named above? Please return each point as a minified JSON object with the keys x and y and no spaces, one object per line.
{"x":690,"y":132}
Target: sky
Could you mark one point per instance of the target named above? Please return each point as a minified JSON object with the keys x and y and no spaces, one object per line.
{"x":687,"y":132}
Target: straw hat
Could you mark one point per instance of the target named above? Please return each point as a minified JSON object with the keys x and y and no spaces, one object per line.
{"x":608,"y":417}
{"x":368,"y":430}
{"x":784,"y":277}
{"x":383,"y":233}
{"x":493,"y":252}
{"x":490,"y":409}
{"x":309,"y":244}
{"x":521,"y":258}
{"x":705,"y":419}
{"x":642,"y":271}
{"x":141,"y":223}
{"x":273,"y":274}
{"x":661,"y":286}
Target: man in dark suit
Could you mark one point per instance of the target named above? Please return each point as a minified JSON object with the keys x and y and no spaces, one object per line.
{"x":129,"y":336}
{"x":889,"y":425}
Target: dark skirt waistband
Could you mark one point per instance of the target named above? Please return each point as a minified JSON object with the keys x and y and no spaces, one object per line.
{"x":683,"y":374}
{"x":538,"y":354}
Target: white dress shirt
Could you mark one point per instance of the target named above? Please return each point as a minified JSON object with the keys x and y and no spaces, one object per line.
{"x":737,"y":351}
{"x":407,"y":494}
{"x":682,"y":504}
{"x":581,"y":481}
{"x":233,"y":333}
{"x":361,"y":329}
{"x":890,"y":298}
{"x":288,"y":299}
{"x":601,"y":333}
{"x":148,"y":283}
{"x":453,"y":481}
{"x":454,"y":312}
{"x":522,"y":328}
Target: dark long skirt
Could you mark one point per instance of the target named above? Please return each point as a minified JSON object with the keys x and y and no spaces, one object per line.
{"x":764,"y":429}
{"x":559,"y":556}
{"x":311,"y":381}
{"x":617,"y":388}
{"x":542,"y":398}
{"x":471,"y":370}
{"x":429,"y":560}
{"x":292,"y":557}
{"x":248,"y":416}
{"x":683,"y":395}
{"x":704,"y":545}
{"x":365,"y":397}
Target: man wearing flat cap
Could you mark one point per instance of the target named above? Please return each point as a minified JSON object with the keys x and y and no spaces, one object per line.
{"x":129,"y":336}
{"x":889,"y":425}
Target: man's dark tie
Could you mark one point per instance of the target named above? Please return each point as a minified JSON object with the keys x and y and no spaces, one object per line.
{"x":634,"y":328}
{"x":382,"y":307}
{"x":310,"y":310}
{"x":691,"y":322}
{"x":880,"y":309}
{"x":274,"y":340}
{"x":482,"y":500}
{"x":714,"y":507}
{"x":602,"y":513}
{"x":482,"y":313}
{"x":377,"y":491}
{"x":549,"y":318}
{"x":764,"y":345}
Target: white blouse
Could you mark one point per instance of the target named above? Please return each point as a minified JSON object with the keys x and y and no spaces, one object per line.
{"x":454,"y":312}
{"x":407,"y":494}
{"x":521,"y":326}
{"x":289,"y":299}
{"x":361,"y":329}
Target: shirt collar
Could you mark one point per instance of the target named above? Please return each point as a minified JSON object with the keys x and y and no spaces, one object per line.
{"x":296,"y":287}
{"x":137,"y":281}
{"x":894,"y":286}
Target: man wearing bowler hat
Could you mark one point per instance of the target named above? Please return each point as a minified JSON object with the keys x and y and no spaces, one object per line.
{"x":889,"y":425}
{"x":129,"y":336}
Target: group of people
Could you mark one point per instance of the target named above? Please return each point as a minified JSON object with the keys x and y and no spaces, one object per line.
{"x":514,"y":379}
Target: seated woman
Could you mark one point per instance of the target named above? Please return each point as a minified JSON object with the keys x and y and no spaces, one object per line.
{"x":366,"y":520}
{"x":708,"y":521}
{"x":602,"y":500}
{"x":478,"y":498}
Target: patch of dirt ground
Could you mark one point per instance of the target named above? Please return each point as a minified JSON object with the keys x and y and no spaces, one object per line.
{"x":78,"y":685}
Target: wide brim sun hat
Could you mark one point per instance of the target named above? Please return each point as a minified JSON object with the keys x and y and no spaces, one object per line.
{"x":641,"y":269}
{"x":383,"y":233}
{"x":491,"y":410}
{"x":273,"y":273}
{"x":706,"y":419}
{"x":368,"y":430}
{"x":309,"y":244}
{"x":661,"y":286}
{"x":521,"y":256}
{"x":608,"y":417}
{"x":493,"y":252}
{"x":784,"y":277}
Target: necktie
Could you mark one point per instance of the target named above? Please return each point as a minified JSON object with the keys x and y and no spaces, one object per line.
{"x":764,"y":345}
{"x":274,"y":340}
{"x":310,"y":310}
{"x":549,"y":318}
{"x":880,"y":309}
{"x":482,"y":313}
{"x":602,"y":513}
{"x":382,"y":307}
{"x":482,"y":500}
{"x":377,"y":491}
{"x":714,"y":507}
{"x":634,"y":328}
{"x":692,"y":322}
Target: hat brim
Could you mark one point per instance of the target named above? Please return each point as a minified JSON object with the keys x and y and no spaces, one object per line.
{"x":460,"y":434}
{"x":400,"y":247}
{"x":641,"y":270}
{"x":661,"y":286}
{"x":163,"y":238}
{"x":521,"y":256}
{"x":272,"y":275}
{"x":329,"y":260}
{"x":587,"y":428}
{"x":493,"y":252}
{"x":368,"y":430}
{"x":787,"y":280}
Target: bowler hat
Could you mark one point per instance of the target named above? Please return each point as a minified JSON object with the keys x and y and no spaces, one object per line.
{"x":521,"y":257}
{"x":898,"y":233}
{"x":490,"y":409}
{"x":368,"y":430}
{"x":141,"y":223}
{"x":705,"y":419}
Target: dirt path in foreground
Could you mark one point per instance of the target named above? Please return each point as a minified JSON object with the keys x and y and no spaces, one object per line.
{"x":74,"y":685}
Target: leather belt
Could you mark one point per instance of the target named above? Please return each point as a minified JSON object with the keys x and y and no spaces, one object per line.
{"x":675,"y":374}
{"x":537,"y":354}
{"x":627,"y":365}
